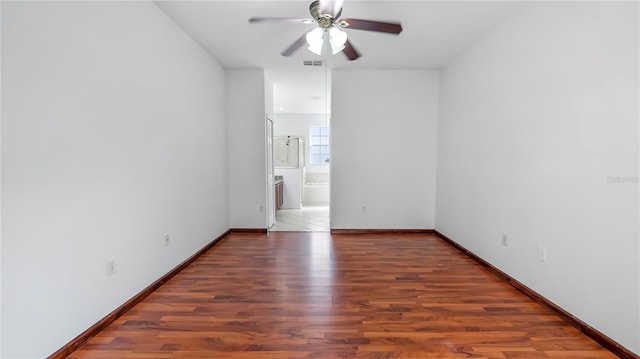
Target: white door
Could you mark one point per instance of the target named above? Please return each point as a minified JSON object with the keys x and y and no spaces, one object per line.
{"x":271,"y":202}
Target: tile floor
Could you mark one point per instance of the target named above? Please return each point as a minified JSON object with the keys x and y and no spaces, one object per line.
{"x":307,"y":219}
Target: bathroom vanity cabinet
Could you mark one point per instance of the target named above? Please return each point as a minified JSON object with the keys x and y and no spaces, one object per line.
{"x":279,"y":194}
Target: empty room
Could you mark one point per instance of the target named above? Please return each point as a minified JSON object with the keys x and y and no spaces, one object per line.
{"x":475,"y":165}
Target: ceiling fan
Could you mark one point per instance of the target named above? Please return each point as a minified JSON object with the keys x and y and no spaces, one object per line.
{"x":326,"y":14}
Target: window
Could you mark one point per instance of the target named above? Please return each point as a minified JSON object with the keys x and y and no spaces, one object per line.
{"x":319,"y":145}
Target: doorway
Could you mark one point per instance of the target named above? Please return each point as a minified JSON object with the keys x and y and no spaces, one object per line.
{"x":301,"y":148}
{"x":302,"y":165}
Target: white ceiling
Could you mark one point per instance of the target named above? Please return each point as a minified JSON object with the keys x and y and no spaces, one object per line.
{"x":433,"y":33}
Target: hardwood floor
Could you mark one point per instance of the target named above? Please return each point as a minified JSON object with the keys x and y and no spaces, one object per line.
{"x":317,"y":295}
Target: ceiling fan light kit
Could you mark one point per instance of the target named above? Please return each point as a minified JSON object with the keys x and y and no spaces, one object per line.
{"x":326,"y":14}
{"x":337,"y":38}
{"x":315,"y":40}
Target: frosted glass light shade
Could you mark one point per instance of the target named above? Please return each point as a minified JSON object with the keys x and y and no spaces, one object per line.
{"x":315,"y":39}
{"x":337,"y":38}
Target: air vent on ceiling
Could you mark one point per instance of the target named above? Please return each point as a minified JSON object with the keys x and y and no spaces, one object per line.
{"x":312,"y":62}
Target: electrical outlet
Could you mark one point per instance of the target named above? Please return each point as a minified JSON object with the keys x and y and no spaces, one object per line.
{"x":167,"y":240}
{"x":542,"y":254}
{"x":261,"y":208}
{"x":364,"y":209}
{"x":111,"y":267}
{"x":505,"y":241}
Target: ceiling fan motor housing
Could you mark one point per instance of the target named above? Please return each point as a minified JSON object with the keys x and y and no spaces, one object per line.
{"x":325,"y":21}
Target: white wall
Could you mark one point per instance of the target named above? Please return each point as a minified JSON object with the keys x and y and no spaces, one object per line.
{"x":113,"y":135}
{"x":268,"y":96}
{"x":384,"y":129}
{"x":0,"y":186}
{"x":246,"y":145}
{"x":539,"y":118}
{"x":299,"y":125}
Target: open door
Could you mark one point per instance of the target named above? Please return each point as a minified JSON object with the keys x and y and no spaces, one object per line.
{"x":271,"y":204}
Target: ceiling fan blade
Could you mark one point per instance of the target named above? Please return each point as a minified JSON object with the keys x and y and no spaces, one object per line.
{"x":350,"y":52}
{"x":259,"y":19}
{"x":370,"y":25}
{"x":295,"y":46}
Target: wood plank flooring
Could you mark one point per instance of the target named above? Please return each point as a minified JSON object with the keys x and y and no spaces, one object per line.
{"x":317,"y":295}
